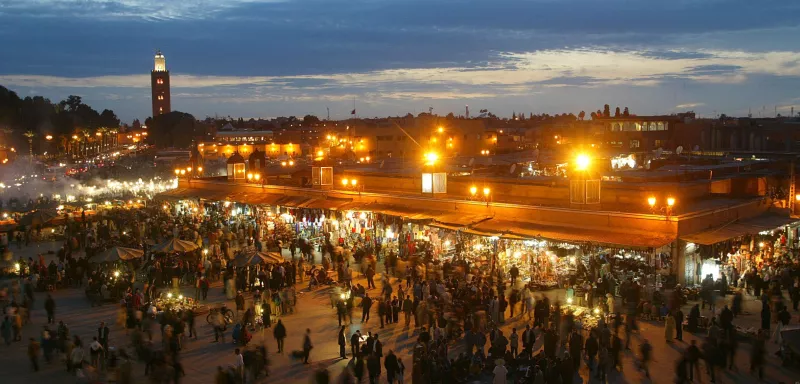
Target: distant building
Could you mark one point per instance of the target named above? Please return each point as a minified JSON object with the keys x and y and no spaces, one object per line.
{"x":159,"y":84}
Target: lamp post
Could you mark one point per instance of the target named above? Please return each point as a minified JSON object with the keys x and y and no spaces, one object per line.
{"x":665,"y":209}
{"x":484,"y":196}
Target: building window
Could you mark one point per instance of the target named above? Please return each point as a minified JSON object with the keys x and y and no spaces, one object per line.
{"x":658,"y":143}
{"x":652,"y":126}
{"x":634,"y":144}
{"x":160,"y":109}
{"x":161,"y":97}
{"x":661,"y":126}
{"x":159,"y":81}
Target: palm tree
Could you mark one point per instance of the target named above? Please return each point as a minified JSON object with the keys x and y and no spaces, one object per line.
{"x":30,"y":134}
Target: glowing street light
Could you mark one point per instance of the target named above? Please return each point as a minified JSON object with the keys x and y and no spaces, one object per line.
{"x":486,"y":191}
{"x":431,"y":158}
{"x":473,"y":190}
{"x":670,"y":201}
{"x":345,"y":182}
{"x":651,"y":201}
{"x":441,"y":129}
{"x":582,"y":162}
{"x":49,"y":137}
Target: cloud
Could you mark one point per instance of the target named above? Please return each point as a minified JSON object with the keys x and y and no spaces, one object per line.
{"x":689,"y":105}
{"x":549,"y":68}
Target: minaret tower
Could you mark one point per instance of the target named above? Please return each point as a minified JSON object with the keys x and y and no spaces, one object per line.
{"x":159,"y":84}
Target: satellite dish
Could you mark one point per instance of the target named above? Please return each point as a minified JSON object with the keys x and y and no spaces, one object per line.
{"x":679,"y":150}
{"x":659,"y":152}
{"x":513,"y":167}
{"x":471,"y":161}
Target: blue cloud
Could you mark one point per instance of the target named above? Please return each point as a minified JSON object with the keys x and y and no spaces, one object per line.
{"x":302,"y":45}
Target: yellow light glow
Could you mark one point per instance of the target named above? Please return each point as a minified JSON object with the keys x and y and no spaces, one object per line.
{"x":188,"y":169}
{"x":199,"y":169}
{"x":116,"y":273}
{"x":74,"y":137}
{"x":177,"y":171}
{"x":486,"y":191}
{"x":441,"y":129}
{"x":320,"y":153}
{"x":367,"y":158}
{"x":49,"y":137}
{"x":447,"y":243}
{"x":169,"y":295}
{"x":165,"y":206}
{"x":582,"y":162}
{"x":291,"y":162}
{"x":761,"y":244}
{"x":99,"y":134}
{"x":353,"y":182}
{"x":473,"y":190}
{"x":283,"y":163}
{"x":345,"y":182}
{"x":431,"y":158}
{"x":257,"y":176}
{"x":180,"y":297}
{"x":249,"y":176}
{"x":569,"y":300}
{"x":670,"y":201}
{"x":183,"y":171}
{"x":797,"y":197}
{"x":597,"y":311}
{"x":651,"y":200}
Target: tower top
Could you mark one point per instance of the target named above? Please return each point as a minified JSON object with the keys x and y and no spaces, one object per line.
{"x":160,"y":62}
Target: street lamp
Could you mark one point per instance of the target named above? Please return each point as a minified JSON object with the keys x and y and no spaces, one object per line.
{"x":431,"y":158}
{"x":582,"y":162}
{"x":651,"y":201}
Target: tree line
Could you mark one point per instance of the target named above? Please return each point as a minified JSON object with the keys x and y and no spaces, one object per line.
{"x":39,"y":117}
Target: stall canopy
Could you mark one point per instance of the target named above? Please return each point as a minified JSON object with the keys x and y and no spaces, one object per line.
{"x":292,"y":201}
{"x":38,"y":217}
{"x":175,"y":245}
{"x":512,"y":229}
{"x":120,"y":253}
{"x":254,"y":198}
{"x":452,"y":220}
{"x":326,"y":203}
{"x":751,"y":226}
{"x":256,"y":258}
{"x":192,"y":193}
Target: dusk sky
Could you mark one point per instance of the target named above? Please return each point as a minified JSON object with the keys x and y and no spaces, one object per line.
{"x":256,"y":58}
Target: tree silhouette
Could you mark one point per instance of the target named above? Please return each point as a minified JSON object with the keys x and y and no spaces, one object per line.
{"x":616,"y":112}
{"x":594,"y":115}
{"x":625,"y":112}
{"x":606,"y":111}
{"x":582,"y":115}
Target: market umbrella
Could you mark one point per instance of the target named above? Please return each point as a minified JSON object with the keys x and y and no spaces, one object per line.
{"x":272,"y":257}
{"x":120,"y":253}
{"x":175,"y":245}
{"x":256,"y":258}
{"x":245,"y":259}
{"x":39,"y":216}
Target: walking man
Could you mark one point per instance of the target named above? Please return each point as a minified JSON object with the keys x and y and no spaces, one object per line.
{"x":307,"y":345}
{"x":50,"y":307}
{"x":280,"y":334}
{"x":342,"y":343}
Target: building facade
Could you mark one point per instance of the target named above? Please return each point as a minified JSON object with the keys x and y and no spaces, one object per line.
{"x":159,"y":85}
